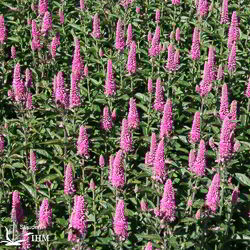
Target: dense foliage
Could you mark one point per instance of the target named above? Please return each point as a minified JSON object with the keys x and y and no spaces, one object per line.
{"x":125,"y":124}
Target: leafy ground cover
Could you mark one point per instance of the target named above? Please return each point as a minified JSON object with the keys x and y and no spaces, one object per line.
{"x":125,"y":124}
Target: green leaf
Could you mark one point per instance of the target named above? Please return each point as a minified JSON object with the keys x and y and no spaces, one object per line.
{"x":149,"y":236}
{"x":30,"y":189}
{"x":243,"y":179}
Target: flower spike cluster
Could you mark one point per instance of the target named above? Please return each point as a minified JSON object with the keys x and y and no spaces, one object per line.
{"x":45,"y":215}
{"x":213,"y":195}
{"x":83,"y":143}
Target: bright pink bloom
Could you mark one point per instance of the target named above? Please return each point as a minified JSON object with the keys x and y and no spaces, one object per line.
{"x":17,"y":211}
{"x":198,"y":214}
{"x":117,"y":172}
{"x":133,"y":115}
{"x":144,"y":205}
{"x":47,"y":22}
{"x":86,"y":71}
{"x":129,"y":35}
{"x":170,"y":64}
{"x":155,"y":46}
{"x":18,"y":84}
{"x":43,"y":7}
{"x":101,"y":161}
{"x":224,"y":102}
{"x":213,"y":195}
{"x":45,"y":215}
{"x":167,"y":203}
{"x":149,"y":246}
{"x":194,"y":135}
{"x":119,"y":42}
{"x":203,"y":7}
{"x":29,"y":105}
{"x":232,"y":59}
{"x":248,"y":89}
{"x":83,"y":143}
{"x":177,"y":35}
{"x":176,"y":2}
{"x":131,"y":64}
{"x":13,"y":52}
{"x":32,"y":160}
{"x":233,"y":32}
{"x":159,"y":97}
{"x":96,"y":27}
{"x":60,"y":90}
{"x":159,"y":173}
{"x":149,"y":37}
{"x":78,"y":216}
{"x":35,"y":33}
{"x":126,"y":137}
{"x":176,"y":60}
{"x":26,"y":244}
{"x":61,"y":15}
{"x":111,"y":161}
{"x":82,"y":5}
{"x":110,"y":85}
{"x":137,"y":10}
{"x":191,"y":159}
{"x":200,"y":161}
{"x":224,"y":12}
{"x":120,"y":221}
{"x":211,"y":63}
{"x":53,"y":47}
{"x":68,"y":181}
{"x":106,"y":122}
{"x":150,"y":86}
{"x":206,"y":84}
{"x":74,"y":98}
{"x":166,"y":121}
{"x":195,"y":49}
{"x":3,"y":30}
{"x":153,"y":147}
{"x":157,"y":16}
{"x":220,"y":73}
{"x":101,"y":54}
{"x":233,"y":114}
{"x":1,"y":144}
{"x":77,"y":61}
{"x":225,"y":147}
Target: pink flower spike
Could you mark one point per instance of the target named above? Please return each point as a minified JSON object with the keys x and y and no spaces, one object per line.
{"x":224,"y":12}
{"x":113,"y":115}
{"x":17,"y":211}
{"x":137,"y":10}
{"x":144,"y":205}
{"x":13,"y":52}
{"x":157,"y":16}
{"x":82,"y":5}
{"x":167,"y":203}
{"x":213,"y":195}
{"x":194,"y":135}
{"x":191,"y":159}
{"x":47,"y":22}
{"x":68,"y":181}
{"x":110,"y":85}
{"x":120,"y":221}
{"x":101,"y":161}
{"x":155,"y":45}
{"x":26,"y":244}
{"x":159,"y":172}
{"x":83,"y":143}
{"x":74,"y":98}
{"x":195,"y":49}
{"x":232,"y":59}
{"x":117,"y":173}
{"x":248,"y":89}
{"x":53,"y":47}
{"x":1,"y":144}
{"x":235,"y":196}
{"x":32,"y":160}
{"x":61,"y":15}
{"x":106,"y":122}
{"x":3,"y":30}
{"x":96,"y":27}
{"x":129,"y":35}
{"x":177,"y":35}
{"x":170,"y":64}
{"x":77,"y":62}
{"x":119,"y":36}
{"x":133,"y":115}
{"x":45,"y":215}
{"x":131,"y":64}
{"x":60,"y":90}
{"x":149,"y":246}
{"x":77,"y":219}
{"x":203,"y":8}
{"x":126,"y":137}
{"x":159,"y":97}
{"x":150,"y":86}
{"x":43,"y":7}
{"x":200,"y":161}
{"x":224,"y":102}
{"x":166,"y":122}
